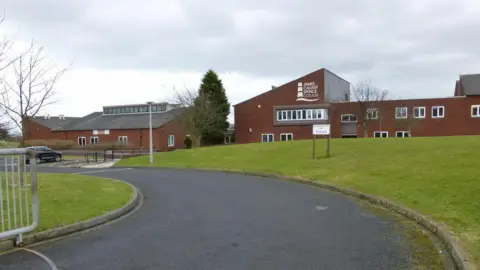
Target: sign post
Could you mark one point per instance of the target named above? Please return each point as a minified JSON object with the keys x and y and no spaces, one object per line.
{"x":321,"y":130}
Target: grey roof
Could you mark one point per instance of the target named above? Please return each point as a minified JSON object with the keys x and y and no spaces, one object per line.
{"x":54,"y":122}
{"x":98,"y":120}
{"x":470,"y":84}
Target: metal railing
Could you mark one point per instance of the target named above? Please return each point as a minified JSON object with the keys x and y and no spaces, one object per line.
{"x":99,"y":156}
{"x":19,"y":205}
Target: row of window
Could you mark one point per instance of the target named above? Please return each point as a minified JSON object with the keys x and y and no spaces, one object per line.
{"x":123,"y":140}
{"x":384,"y":134}
{"x":419,"y":112}
{"x":269,"y":137}
{"x":135,"y":109}
{"x":303,"y":114}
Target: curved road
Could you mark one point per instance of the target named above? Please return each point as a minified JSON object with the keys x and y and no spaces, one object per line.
{"x":210,"y":220}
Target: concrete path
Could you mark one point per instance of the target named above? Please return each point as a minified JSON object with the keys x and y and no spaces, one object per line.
{"x":206,"y":220}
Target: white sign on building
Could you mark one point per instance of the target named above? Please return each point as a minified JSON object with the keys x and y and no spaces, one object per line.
{"x":101,"y":132}
{"x":321,"y":130}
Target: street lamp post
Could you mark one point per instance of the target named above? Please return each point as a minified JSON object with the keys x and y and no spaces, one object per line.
{"x":150,"y":126}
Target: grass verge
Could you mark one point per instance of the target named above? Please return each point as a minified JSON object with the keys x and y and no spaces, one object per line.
{"x":436,"y":176}
{"x":67,"y":198}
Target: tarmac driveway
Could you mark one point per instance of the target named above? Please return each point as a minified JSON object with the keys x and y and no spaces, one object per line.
{"x":209,"y":220}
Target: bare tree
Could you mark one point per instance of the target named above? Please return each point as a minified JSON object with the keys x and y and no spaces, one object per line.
{"x":28,"y":87}
{"x":199,"y":116}
{"x":367,"y":100}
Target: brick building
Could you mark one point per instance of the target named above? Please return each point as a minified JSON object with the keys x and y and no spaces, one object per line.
{"x":125,"y":124}
{"x":288,"y":112}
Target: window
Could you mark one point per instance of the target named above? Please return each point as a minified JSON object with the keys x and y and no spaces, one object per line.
{"x":372,"y":113}
{"x":380,"y":134}
{"x":82,"y":141}
{"x":348,"y":118}
{"x":123,"y":140}
{"x":307,"y":114}
{"x":286,"y":136}
{"x":401,"y":112}
{"x":171,"y":140}
{"x":267,"y":137}
{"x":419,"y":112}
{"x":475,"y":110}
{"x":93,"y":140}
{"x":438,"y":111}
{"x":227,"y":140}
{"x":402,"y":134}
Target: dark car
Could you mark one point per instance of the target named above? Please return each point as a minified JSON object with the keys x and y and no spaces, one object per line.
{"x":43,"y":153}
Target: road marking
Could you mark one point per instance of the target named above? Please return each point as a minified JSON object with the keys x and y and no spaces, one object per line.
{"x":99,"y":171}
{"x":45,"y":258}
{"x":321,"y":208}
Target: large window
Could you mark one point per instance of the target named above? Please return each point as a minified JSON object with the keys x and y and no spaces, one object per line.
{"x":267,"y":137}
{"x":438,"y":111}
{"x":372,"y":113}
{"x":123,"y":140}
{"x":380,"y":134}
{"x":94,"y":140}
{"x":135,"y":109}
{"x":346,"y":118}
{"x":475,"y":110}
{"x":401,"y":112}
{"x":402,"y":134}
{"x":419,"y":112}
{"x":286,"y":136}
{"x":82,"y":141}
{"x":171,"y":140}
{"x":301,"y":115}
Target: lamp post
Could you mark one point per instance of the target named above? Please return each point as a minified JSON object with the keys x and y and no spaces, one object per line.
{"x":150,"y":125}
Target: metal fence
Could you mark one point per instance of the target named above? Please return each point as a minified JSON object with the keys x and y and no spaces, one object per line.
{"x":18,"y":193}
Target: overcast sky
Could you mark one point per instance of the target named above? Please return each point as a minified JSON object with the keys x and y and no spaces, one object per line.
{"x":127,"y":51}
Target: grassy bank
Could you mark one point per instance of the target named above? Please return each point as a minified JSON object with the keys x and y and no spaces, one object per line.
{"x":439,"y":177}
{"x":66,"y":198}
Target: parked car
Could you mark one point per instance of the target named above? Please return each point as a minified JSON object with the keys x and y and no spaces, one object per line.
{"x":43,"y":153}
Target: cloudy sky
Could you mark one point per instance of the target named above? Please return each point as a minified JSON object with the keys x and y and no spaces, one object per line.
{"x":127,"y":51}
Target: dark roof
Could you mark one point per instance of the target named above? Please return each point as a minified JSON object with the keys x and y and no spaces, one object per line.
{"x":54,"y":122}
{"x":470,"y":84}
{"x":98,"y":120}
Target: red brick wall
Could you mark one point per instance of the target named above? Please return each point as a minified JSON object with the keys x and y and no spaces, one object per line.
{"x":457,"y":120}
{"x":257,"y":113}
{"x":39,"y":132}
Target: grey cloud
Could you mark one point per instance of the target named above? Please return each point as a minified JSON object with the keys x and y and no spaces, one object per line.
{"x":382,"y":40}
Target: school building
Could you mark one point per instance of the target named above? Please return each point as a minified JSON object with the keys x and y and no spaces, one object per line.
{"x":288,"y":112}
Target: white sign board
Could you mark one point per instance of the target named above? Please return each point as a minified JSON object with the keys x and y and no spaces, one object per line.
{"x":321,"y":130}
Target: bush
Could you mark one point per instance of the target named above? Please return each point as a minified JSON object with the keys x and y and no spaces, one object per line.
{"x":188,"y":142}
{"x":54,"y":144}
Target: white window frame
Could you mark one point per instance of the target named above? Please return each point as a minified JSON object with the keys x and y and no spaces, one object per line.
{"x":84,"y":139}
{"x":227,"y":139}
{"x":94,"y":140}
{"x":403,"y":134}
{"x":420,"y":116}
{"x":437,"y":107}
{"x":400,"y":109}
{"x":268,"y":134}
{"x":297,"y":115}
{"x":173,"y":140}
{"x":478,"y":111}
{"x":286,"y":136}
{"x":369,"y":113}
{"x":348,"y":121}
{"x":123,"y":140}
{"x":381,"y":132}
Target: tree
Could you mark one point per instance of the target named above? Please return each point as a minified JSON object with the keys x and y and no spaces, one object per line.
{"x":28,"y":87}
{"x":212,"y":88}
{"x":367,"y":100}
{"x":199,"y":116}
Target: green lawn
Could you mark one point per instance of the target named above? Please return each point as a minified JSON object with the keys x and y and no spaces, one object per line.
{"x":67,"y":198}
{"x":439,"y":177}
{"x":5,"y":144}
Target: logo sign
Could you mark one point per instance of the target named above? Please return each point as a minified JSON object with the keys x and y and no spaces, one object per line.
{"x":307,"y":91}
{"x":321,"y":130}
